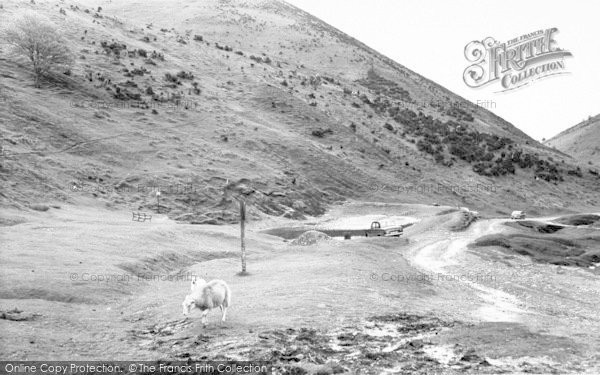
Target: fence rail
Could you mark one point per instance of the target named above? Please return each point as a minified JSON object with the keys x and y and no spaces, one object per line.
{"x":140,"y":216}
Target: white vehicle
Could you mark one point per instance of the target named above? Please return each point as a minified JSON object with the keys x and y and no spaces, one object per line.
{"x":516,"y":215}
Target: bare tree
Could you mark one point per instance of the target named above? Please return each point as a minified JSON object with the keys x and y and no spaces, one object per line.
{"x":37,"y":38}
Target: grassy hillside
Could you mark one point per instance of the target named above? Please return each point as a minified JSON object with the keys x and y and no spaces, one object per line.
{"x":214,"y":100}
{"x":581,"y":141}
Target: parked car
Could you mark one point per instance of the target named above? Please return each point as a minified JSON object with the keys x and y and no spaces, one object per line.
{"x":377,"y":231}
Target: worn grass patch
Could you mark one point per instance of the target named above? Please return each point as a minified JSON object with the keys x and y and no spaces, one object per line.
{"x":464,"y":221}
{"x":581,"y":252}
{"x":168,"y":262}
{"x":535,"y":226}
{"x":585,"y":219}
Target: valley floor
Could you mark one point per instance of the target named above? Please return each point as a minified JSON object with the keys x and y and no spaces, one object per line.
{"x":91,"y":284}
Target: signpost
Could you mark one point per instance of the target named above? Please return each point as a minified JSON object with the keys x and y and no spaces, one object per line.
{"x":158,"y":201}
{"x":242,"y":230}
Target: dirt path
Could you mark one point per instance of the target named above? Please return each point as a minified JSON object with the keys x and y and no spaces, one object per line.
{"x":442,"y":256}
{"x":540,"y":298}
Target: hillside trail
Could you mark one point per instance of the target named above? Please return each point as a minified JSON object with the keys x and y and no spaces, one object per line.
{"x":442,"y":256}
{"x":492,"y":286}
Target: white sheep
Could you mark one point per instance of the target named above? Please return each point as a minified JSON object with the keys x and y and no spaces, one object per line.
{"x":207,"y":296}
{"x":196,"y":281}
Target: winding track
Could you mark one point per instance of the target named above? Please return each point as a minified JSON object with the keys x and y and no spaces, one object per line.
{"x":441,"y":255}
{"x":523,"y":291}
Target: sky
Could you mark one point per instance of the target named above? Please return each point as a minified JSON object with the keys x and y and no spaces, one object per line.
{"x":429,"y":37}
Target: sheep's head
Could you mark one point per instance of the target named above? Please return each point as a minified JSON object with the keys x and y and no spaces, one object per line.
{"x":187,"y":304}
{"x":196,"y":281}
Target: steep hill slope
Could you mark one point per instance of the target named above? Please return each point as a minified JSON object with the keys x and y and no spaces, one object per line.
{"x":581,"y":141}
{"x":209,"y":101}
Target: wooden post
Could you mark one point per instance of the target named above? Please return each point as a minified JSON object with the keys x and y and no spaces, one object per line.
{"x":158,"y":201}
{"x":243,"y":230}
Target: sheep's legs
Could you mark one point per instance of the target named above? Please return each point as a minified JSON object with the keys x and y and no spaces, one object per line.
{"x":204,"y":314}
{"x":224,"y":309}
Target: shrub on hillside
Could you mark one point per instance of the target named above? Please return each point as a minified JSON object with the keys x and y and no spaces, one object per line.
{"x":113,"y":47}
{"x":321,"y":132}
{"x":575,"y":172}
{"x":196,"y":89}
{"x":223,"y":48}
{"x":315,"y":81}
{"x":490,"y":155}
{"x":39,"y":207}
{"x":172,"y":78}
{"x":158,"y":56}
{"x":185,"y":75}
{"x":139,"y":71}
{"x":259,"y":59}
{"x":459,"y":113}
